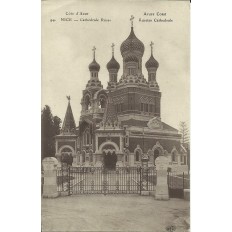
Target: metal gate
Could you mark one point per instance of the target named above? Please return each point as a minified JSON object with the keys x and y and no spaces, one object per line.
{"x":97,"y":180}
{"x":177,"y":182}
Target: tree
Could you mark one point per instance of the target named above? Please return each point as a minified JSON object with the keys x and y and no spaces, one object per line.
{"x":185,"y":140}
{"x":50,"y":126}
{"x":185,"y":133}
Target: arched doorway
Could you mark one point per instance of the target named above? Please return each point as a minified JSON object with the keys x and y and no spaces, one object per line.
{"x":110,"y":160}
{"x":156,"y":154}
{"x":66,"y":155}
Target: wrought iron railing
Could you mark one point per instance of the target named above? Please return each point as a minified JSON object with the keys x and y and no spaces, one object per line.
{"x":95,"y":180}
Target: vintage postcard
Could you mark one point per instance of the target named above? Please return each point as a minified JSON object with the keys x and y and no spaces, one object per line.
{"x":115,"y":115}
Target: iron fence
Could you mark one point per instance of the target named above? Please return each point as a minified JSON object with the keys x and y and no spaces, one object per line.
{"x":177,"y":182}
{"x":98,"y":180}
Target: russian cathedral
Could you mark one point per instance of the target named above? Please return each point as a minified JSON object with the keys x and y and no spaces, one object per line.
{"x":121,"y":123}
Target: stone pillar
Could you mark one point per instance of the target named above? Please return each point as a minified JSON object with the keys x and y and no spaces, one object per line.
{"x":144,"y":190}
{"x":161,"y":189}
{"x":50,"y":185}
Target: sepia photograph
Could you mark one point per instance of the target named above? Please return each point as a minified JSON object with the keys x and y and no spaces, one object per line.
{"x":115,"y":116}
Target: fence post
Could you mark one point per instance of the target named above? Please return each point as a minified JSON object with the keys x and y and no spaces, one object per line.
{"x":50,"y":176}
{"x":161,"y":190}
{"x":183,"y":180}
{"x":144,"y":184}
{"x":69,"y":181}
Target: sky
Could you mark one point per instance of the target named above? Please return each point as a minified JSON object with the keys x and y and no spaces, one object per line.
{"x":67,"y":50}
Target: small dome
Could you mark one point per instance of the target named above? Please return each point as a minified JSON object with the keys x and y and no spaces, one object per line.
{"x":152,"y":63}
{"x":131,"y":59}
{"x":132,"y":43}
{"x":113,"y":64}
{"x":94,"y":66}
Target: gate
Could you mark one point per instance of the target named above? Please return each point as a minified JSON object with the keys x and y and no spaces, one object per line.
{"x":177,"y":182}
{"x":97,"y":180}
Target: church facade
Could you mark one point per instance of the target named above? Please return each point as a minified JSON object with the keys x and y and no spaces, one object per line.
{"x":121,"y":123}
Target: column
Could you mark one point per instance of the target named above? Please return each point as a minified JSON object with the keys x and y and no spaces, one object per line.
{"x":161,"y":189}
{"x":50,"y":185}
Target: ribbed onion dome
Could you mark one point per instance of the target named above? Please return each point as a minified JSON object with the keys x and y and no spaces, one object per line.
{"x":94,"y":66}
{"x":132,"y":43}
{"x":152,"y":63}
{"x":113,"y":64}
{"x":131,"y":58}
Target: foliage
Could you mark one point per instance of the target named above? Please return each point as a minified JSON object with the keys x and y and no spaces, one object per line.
{"x":50,"y":126}
{"x":185,"y":133}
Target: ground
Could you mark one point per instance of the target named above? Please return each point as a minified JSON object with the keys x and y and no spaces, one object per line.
{"x":113,"y":213}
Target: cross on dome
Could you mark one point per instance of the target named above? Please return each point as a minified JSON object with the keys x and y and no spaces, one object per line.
{"x":151,"y":44}
{"x":131,"y":19}
{"x":112,"y":46}
{"x":94,"y":49}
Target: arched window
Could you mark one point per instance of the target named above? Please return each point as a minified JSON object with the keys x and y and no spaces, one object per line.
{"x":126,"y":158}
{"x":91,"y":157}
{"x":87,"y":102}
{"x":102,"y":101}
{"x":174,"y":156}
{"x":83,"y":157}
{"x":87,"y":138}
{"x":137,"y":156}
{"x":66,"y":156}
{"x":156,"y":154}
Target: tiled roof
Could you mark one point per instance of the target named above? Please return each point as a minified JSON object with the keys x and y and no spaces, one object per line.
{"x":134,"y":122}
{"x":69,"y":125}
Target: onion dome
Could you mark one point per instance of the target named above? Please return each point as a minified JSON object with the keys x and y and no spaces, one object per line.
{"x":152,"y":63}
{"x":113,"y":64}
{"x":131,"y":59}
{"x":132,"y":43}
{"x":94,"y":66}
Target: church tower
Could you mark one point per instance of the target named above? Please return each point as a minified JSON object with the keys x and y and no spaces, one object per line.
{"x":92,"y":87}
{"x":135,"y":97}
{"x":152,"y":66}
{"x":113,"y":67}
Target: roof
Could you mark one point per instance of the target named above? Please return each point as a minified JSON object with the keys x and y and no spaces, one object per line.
{"x":69,"y":125}
{"x":132,"y":43}
{"x":138,"y":123}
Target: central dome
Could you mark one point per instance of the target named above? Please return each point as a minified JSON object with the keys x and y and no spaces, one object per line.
{"x":132,"y":43}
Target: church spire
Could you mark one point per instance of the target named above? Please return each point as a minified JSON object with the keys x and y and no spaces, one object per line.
{"x":69,"y":125}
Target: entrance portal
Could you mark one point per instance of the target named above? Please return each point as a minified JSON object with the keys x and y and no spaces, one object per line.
{"x":110,"y":160}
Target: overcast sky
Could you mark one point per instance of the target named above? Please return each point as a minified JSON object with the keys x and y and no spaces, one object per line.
{"x":67,"y":50}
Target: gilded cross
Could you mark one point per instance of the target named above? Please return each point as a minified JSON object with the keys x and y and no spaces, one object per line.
{"x":69,"y":98}
{"x":94,"y":49}
{"x":131,"y":19}
{"x":112,"y":48}
{"x":151,"y":44}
